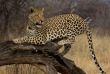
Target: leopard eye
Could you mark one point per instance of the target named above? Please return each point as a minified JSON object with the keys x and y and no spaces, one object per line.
{"x":29,"y":27}
{"x":41,"y":21}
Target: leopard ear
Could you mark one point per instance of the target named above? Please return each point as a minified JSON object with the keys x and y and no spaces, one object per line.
{"x":31,"y":9}
{"x":42,"y":9}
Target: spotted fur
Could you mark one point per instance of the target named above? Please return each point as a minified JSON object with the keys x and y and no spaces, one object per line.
{"x":66,"y":26}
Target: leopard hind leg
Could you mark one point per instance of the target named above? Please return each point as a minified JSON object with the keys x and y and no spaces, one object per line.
{"x":67,"y":43}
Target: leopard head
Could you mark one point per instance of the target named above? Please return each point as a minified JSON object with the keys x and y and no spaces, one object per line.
{"x":35,"y":20}
{"x":36,"y":16}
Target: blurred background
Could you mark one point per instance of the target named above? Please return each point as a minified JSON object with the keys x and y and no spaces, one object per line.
{"x":14,"y":18}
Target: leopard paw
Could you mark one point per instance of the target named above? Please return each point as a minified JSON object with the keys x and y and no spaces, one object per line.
{"x":16,"y":41}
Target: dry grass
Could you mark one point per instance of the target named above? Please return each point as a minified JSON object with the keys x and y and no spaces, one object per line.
{"x":79,"y":53}
{"x":20,"y":69}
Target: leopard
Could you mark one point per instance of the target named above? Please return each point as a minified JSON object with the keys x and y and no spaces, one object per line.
{"x":66,"y":26}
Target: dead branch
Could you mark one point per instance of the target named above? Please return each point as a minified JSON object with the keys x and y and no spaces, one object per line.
{"x":44,"y":57}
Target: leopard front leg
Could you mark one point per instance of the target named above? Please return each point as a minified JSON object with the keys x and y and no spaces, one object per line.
{"x":31,"y":40}
{"x":21,"y":40}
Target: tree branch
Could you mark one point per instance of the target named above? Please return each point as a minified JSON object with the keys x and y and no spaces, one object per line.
{"x":46,"y":58}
